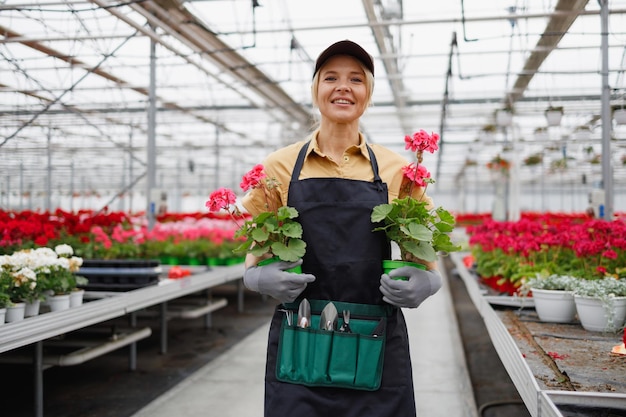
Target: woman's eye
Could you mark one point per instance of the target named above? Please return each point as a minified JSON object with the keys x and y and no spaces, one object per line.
{"x":357,"y":80}
{"x":329,"y":78}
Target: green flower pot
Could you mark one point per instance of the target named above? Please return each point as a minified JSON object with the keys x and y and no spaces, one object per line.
{"x":389,"y":265}
{"x":295,"y":269}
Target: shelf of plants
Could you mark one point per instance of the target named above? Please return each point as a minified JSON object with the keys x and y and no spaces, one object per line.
{"x":45,"y":326}
{"x":556,"y":367}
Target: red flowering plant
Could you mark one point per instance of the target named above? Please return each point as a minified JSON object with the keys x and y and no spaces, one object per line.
{"x":273,"y":232}
{"x":420,"y":230}
{"x":511,"y":253}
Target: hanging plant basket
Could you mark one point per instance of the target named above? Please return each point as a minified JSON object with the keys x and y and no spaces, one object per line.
{"x":504,"y":117}
{"x":534,"y":159}
{"x":554,"y":116}
{"x":619,"y":115}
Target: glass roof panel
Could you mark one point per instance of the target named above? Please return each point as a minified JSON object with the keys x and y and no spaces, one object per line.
{"x":232,"y":83}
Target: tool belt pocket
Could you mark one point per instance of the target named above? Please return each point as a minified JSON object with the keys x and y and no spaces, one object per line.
{"x":315,"y":357}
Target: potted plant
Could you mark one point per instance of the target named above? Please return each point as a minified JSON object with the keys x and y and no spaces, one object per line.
{"x":540,"y":134}
{"x":582,"y":132}
{"x":554,"y":114}
{"x":420,"y":231}
{"x":499,"y":165}
{"x":619,"y":114}
{"x":270,"y":234}
{"x":20,"y":285}
{"x":487,"y":132}
{"x":601,"y":304}
{"x":5,"y":300}
{"x":534,"y":159}
{"x":57,"y":275}
{"x":504,"y":116}
{"x":553,"y":296}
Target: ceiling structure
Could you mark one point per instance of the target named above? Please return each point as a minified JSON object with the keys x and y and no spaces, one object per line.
{"x":86,"y":85}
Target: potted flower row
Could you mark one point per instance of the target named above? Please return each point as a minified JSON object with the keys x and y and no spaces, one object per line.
{"x":31,"y":276}
{"x":599,"y":303}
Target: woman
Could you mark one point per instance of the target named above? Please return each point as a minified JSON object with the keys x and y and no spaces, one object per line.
{"x":334,"y":179}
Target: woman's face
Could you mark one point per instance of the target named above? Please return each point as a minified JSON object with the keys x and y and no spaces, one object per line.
{"x":342,"y":89}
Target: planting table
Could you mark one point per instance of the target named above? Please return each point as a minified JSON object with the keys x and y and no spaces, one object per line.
{"x":556,"y":368}
{"x":36,"y":330}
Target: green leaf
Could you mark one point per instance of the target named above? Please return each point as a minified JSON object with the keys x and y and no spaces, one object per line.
{"x":294,"y":250}
{"x":422,"y":250}
{"x":380,"y":212}
{"x":292,"y":230}
{"x":259,"y":250}
{"x":418,"y":232}
{"x":260,"y":235}
{"x":286,"y":212}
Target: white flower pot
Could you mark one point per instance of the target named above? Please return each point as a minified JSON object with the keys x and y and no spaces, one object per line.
{"x":554,"y":117}
{"x":504,"y":118}
{"x":3,"y":313}
{"x":59,"y":302}
{"x":32,"y":308}
{"x":15,"y":312}
{"x":76,"y":298}
{"x":620,"y":116}
{"x":596,"y":317}
{"x":554,"y":306}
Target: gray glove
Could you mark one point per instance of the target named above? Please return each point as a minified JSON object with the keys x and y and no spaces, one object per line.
{"x":275,"y":281}
{"x":412,"y":292}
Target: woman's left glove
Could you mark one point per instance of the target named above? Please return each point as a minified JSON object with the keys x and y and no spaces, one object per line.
{"x":274,"y":280}
{"x":410,"y":293}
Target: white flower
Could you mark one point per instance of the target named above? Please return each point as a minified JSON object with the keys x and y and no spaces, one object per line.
{"x":23,"y":276}
{"x":64,"y":250}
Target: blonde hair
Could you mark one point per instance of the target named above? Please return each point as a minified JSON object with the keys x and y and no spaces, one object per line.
{"x":369,"y":83}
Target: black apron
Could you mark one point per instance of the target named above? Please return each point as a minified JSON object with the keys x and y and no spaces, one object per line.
{"x":346,"y":258}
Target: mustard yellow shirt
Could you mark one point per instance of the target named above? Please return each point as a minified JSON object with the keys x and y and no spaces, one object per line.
{"x":355,"y":164}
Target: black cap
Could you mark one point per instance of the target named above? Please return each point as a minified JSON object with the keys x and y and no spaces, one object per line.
{"x":345,"y":48}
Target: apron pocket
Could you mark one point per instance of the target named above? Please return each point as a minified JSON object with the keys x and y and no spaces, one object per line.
{"x":370,"y":359}
{"x":316,"y":357}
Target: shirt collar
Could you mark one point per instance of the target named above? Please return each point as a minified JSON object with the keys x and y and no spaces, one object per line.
{"x":314,"y":147}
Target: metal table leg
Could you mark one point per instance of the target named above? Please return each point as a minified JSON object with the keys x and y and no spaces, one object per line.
{"x":208,"y":318}
{"x":132,"y":354}
{"x":164,"y":327}
{"x":38,"y":373}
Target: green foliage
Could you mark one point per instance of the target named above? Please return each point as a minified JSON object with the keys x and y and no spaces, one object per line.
{"x":5,"y":283}
{"x":604,"y":289}
{"x":553,"y":282}
{"x":275,"y":233}
{"x":416,"y":229}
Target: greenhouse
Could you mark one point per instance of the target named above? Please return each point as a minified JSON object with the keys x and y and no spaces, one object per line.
{"x":136,"y":139}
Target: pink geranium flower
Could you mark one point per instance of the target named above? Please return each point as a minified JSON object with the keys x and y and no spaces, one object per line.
{"x":417,"y":174}
{"x":253,"y":178}
{"x":421,"y":141}
{"x":222,"y":198}
{"x":274,"y":232}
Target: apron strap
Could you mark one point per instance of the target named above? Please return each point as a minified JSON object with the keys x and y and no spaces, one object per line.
{"x":295,"y":174}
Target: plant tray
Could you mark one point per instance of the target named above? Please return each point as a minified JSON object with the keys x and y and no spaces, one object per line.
{"x":119,"y":274}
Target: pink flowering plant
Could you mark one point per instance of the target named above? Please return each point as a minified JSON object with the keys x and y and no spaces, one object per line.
{"x":420,"y":230}
{"x":273,"y":232}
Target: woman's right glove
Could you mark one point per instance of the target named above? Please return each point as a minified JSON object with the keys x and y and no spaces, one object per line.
{"x":275,"y":281}
{"x":412,"y":292}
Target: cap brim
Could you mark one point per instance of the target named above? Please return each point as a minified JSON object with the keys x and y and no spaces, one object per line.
{"x":345,"y":48}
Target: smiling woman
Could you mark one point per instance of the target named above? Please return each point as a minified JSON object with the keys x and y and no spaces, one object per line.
{"x":334,"y":179}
